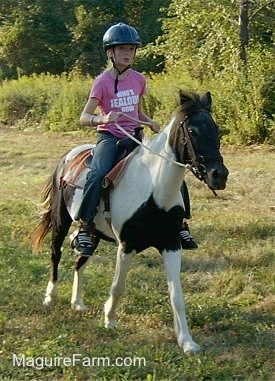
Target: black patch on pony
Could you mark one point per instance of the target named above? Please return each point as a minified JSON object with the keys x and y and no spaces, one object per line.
{"x":152,"y":226}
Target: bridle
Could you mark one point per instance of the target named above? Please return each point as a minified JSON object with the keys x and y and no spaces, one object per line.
{"x":196,"y":165}
{"x":196,"y":162}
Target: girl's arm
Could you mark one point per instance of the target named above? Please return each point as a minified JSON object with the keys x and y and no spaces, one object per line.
{"x":88,"y":118}
{"x":142,"y":116}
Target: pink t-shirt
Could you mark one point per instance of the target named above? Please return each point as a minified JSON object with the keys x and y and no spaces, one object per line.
{"x":130,"y":89}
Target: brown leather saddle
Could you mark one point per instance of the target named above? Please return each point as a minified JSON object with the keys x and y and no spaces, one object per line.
{"x":81,"y":161}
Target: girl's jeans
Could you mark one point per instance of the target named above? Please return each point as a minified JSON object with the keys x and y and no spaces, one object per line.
{"x":105,"y":156}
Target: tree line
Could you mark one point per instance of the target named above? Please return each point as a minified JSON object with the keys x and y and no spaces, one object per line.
{"x":225,"y":46}
{"x":57,"y":36}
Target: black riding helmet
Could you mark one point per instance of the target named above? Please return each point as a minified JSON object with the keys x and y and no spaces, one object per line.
{"x":120,"y":34}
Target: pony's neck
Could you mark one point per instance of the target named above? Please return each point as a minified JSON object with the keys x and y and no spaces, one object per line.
{"x":160,"y":143}
{"x":167,"y":177}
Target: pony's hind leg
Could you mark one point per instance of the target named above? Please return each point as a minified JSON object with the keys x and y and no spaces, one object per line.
{"x":122,"y":266}
{"x":81,"y":263}
{"x":60,"y":229}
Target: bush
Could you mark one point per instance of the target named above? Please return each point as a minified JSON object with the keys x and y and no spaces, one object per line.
{"x":22,"y":100}
{"x":68,"y":104}
{"x":242,"y":101}
{"x":44,"y":101}
{"x":243,"y":105}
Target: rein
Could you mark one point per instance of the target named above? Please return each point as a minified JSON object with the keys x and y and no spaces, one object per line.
{"x":196,"y":166}
{"x":187,"y":166}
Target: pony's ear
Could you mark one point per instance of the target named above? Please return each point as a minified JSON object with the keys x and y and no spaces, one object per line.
{"x":184,"y":97}
{"x":207,"y":100}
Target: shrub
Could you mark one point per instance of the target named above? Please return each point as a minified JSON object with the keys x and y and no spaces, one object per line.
{"x":44,"y":101}
{"x":242,"y":101}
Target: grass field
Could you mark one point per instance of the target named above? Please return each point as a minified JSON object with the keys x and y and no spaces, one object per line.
{"x":228,"y":282}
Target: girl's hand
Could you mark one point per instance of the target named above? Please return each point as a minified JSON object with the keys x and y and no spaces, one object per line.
{"x":111,"y":117}
{"x":155,"y":126}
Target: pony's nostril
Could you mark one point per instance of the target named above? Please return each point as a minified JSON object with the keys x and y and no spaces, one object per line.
{"x":216,"y":174}
{"x":219,"y":174}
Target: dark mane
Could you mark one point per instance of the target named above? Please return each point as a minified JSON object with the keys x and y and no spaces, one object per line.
{"x":191,"y":102}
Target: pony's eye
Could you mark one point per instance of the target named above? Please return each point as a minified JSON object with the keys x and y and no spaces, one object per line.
{"x":192,"y":132}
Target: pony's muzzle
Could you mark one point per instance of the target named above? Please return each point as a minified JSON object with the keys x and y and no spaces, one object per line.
{"x":217,"y":178}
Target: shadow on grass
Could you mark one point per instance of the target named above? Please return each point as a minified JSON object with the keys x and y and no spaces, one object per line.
{"x":234,"y":335}
{"x":233,"y":247}
{"x":245,"y":232}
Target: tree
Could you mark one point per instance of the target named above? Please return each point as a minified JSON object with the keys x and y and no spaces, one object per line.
{"x":93,"y":17}
{"x":61,"y":35}
{"x":204,"y":44}
{"x":202,"y":37}
{"x":34,"y":37}
{"x":243,"y":22}
{"x":246,"y":19}
{"x":208,"y":39}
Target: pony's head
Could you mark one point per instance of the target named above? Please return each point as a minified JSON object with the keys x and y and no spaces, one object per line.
{"x":195,"y":140}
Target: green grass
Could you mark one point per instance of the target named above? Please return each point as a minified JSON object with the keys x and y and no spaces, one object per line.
{"x":228,"y":282}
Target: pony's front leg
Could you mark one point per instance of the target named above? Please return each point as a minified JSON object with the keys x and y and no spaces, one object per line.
{"x":122,"y":266}
{"x":172,"y":265}
{"x":76,"y":301}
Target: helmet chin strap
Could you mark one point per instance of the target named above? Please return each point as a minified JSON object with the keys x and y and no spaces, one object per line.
{"x":118,"y":73}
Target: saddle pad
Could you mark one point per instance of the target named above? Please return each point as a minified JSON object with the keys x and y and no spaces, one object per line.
{"x":113,"y":177}
{"x":74,"y":168}
{"x":81,"y":161}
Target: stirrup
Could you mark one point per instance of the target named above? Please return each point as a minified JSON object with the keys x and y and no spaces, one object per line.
{"x":82,"y":244}
{"x":187,"y":241}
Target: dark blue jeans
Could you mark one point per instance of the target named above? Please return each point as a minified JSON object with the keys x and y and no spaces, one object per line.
{"x":105,"y":156}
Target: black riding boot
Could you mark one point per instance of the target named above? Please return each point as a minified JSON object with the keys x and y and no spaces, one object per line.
{"x":187,"y":241}
{"x":82,"y":243}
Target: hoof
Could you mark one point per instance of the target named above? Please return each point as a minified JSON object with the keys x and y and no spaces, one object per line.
{"x":191,"y":349}
{"x":110,"y":324}
{"x":79,"y":307}
{"x":48,"y":302}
